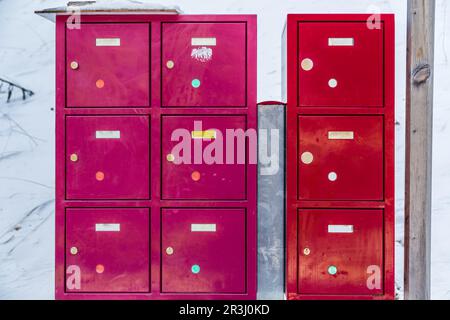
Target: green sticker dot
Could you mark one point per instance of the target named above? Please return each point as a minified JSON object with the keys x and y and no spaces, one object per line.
{"x":195,"y":83}
{"x":332,"y":270}
{"x":195,"y":268}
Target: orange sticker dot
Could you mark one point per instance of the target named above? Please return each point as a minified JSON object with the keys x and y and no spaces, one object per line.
{"x":100,"y":83}
{"x":100,"y":176}
{"x":99,"y":268}
{"x":195,"y":175}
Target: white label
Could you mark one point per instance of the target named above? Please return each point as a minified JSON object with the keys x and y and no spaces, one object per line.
{"x":341,"y":135}
{"x":203,"y":41}
{"x":107,"y":42}
{"x":341,"y":42}
{"x":114,"y":227}
{"x":114,"y":134}
{"x":339,"y":228}
{"x":203,"y":227}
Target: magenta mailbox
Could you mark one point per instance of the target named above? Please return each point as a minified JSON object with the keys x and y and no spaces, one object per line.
{"x":107,"y":249}
{"x":131,"y":222}
{"x":206,"y":66}
{"x":203,"y":250}
{"x":108,"y":65}
{"x":203,"y":178}
{"x":99,"y":154}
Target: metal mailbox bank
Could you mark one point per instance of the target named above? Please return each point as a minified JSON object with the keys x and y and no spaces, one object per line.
{"x":340,"y":156}
{"x":132,"y":222}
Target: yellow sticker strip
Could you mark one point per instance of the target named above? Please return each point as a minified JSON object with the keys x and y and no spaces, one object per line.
{"x":341,"y":135}
{"x":208,"y":134}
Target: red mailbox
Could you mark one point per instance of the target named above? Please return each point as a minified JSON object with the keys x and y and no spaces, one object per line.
{"x":340,"y":156}
{"x":203,"y":250}
{"x":132,"y":222}
{"x":338,"y":249}
{"x":107,"y":249}
{"x":341,"y":64}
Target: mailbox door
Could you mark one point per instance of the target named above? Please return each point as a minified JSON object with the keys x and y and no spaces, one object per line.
{"x":340,"y":64}
{"x":203,"y":251}
{"x":340,"y":251}
{"x":107,"y":157}
{"x":107,"y":65}
{"x":212,"y":180}
{"x":109,"y":248}
{"x":204,"y":64}
{"x":340,"y":158}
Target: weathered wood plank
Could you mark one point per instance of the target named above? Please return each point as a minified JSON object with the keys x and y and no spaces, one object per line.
{"x":419,"y":124}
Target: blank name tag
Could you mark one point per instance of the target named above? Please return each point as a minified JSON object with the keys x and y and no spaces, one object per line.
{"x":341,"y":135}
{"x":340,"y":228}
{"x":107,"y":42}
{"x":203,"y":227}
{"x":111,"y":227}
{"x":203,"y":41}
{"x":341,"y":42}
{"x":114,"y":134}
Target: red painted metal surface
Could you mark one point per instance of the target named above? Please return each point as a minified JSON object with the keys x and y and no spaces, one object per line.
{"x":357,"y":163}
{"x":99,"y":151}
{"x":135,"y":179}
{"x":214,"y":180}
{"x":108,"y":74}
{"x":111,"y":248}
{"x":349,"y":240}
{"x":203,"y":250}
{"x":358,"y":69}
{"x":358,"y":109}
{"x":203,"y":50}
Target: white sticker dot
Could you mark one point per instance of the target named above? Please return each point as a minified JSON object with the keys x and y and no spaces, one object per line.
{"x":332,"y":83}
{"x":332,"y":176}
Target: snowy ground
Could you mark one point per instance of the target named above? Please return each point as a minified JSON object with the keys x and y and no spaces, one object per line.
{"x":27,"y":47}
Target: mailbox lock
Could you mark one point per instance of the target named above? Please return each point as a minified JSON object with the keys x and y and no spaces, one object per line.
{"x":99,"y":268}
{"x":99,"y":176}
{"x":195,"y":175}
{"x":332,"y":83}
{"x":73,"y":250}
{"x":307,"y":157}
{"x":332,"y":176}
{"x":195,"y":268}
{"x":307,"y":64}
{"x":169,"y":250}
{"x":170,"y":157}
{"x":306,"y":251}
{"x":74,"y":157}
{"x":74,"y":65}
{"x":332,"y":270}
{"x":99,"y":83}
{"x":170,"y":64}
{"x":195,"y":83}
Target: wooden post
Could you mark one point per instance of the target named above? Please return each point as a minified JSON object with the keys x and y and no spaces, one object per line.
{"x":419,"y":125}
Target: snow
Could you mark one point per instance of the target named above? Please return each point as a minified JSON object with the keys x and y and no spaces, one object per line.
{"x":108,"y":5}
{"x":27,"y":55}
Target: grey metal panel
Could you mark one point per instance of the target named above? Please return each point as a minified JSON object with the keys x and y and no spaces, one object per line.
{"x":271,"y":192}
